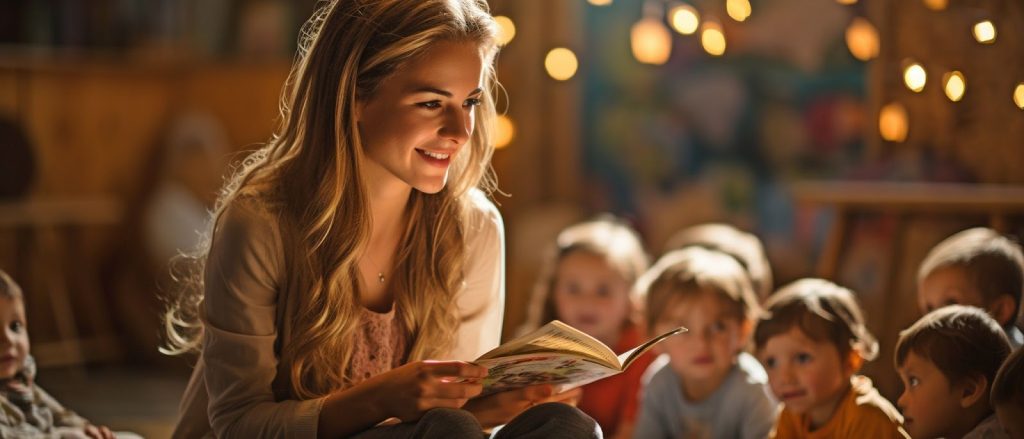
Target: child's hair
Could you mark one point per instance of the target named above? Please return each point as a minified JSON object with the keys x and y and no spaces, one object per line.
{"x":1008,"y":385}
{"x":691,"y":271}
{"x":9,"y":289}
{"x":993,"y":263}
{"x":961,"y":341}
{"x":742,"y":246}
{"x":823,"y":311}
{"x":605,"y":236}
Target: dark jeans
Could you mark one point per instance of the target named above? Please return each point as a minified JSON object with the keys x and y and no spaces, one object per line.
{"x":550,"y":420}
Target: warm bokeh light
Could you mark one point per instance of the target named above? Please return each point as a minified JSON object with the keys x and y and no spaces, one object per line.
{"x":936,"y":5}
{"x":504,"y":132}
{"x":862,"y":39}
{"x":561,"y":63}
{"x":955,"y":85}
{"x":651,"y":41}
{"x":892,"y":122}
{"x":915,"y":77}
{"x":985,"y":32}
{"x":738,"y":10}
{"x":684,"y":19}
{"x":600,"y":2}
{"x":1018,"y":95}
{"x":846,"y":2}
{"x":712,"y":38}
{"x":506,"y":29}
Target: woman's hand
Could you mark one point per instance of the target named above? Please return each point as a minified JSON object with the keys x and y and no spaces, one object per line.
{"x":98,"y":432}
{"x":499,"y":408}
{"x":408,"y":391}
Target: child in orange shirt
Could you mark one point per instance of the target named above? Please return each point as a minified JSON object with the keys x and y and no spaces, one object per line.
{"x":586,"y":283}
{"x":1008,"y":394}
{"x":812,"y":341}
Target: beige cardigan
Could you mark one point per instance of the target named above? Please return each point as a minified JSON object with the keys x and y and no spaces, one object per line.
{"x":237,"y":388}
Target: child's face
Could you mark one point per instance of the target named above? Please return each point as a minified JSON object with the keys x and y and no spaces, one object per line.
{"x":929,"y":402}
{"x":708,"y":350}
{"x":947,"y":286}
{"x":591,"y":295}
{"x":14,"y":338}
{"x":1011,"y":416}
{"x":810,"y":377}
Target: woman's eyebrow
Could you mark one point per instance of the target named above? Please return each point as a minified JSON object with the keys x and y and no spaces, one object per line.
{"x":438,"y":91}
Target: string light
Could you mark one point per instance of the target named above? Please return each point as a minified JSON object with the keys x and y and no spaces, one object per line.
{"x":892,"y":122}
{"x":561,"y":63}
{"x":1018,"y":95}
{"x":955,"y":85}
{"x":712,"y":38}
{"x":862,"y":39}
{"x":738,"y":10}
{"x":846,"y":2}
{"x":651,"y":41}
{"x":600,"y":2}
{"x":915,"y":77}
{"x":684,"y":19}
{"x":985,"y":32}
{"x":506,"y":29}
{"x":504,"y":132}
{"x":936,"y":5}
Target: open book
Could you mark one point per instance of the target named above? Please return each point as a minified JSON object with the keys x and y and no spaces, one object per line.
{"x":556,"y":353}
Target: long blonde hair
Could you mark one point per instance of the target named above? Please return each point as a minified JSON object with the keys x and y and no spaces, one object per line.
{"x":308,"y":176}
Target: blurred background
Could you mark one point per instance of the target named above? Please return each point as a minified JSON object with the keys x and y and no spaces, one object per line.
{"x":850,"y":136}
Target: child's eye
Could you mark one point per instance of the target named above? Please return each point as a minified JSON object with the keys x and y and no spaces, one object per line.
{"x":430,"y":104}
{"x":472,"y":102}
{"x":769,"y":363}
{"x":603,"y":292}
{"x":803,"y":358}
{"x":913,"y":381}
{"x":718,"y":326}
{"x":17,"y":326}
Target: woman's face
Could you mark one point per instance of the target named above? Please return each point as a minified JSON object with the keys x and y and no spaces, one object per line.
{"x":419,"y":118}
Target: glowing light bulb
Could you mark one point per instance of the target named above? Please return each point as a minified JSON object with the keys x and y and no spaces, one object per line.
{"x":506,"y":29}
{"x":936,"y":5}
{"x":712,"y":38}
{"x":600,"y":2}
{"x":892,"y":122}
{"x":862,"y":39}
{"x":955,"y":85}
{"x":651,"y":41}
{"x":985,"y":32}
{"x":915,"y":77}
{"x":561,"y":63}
{"x":684,"y":19}
{"x":846,"y":2}
{"x":504,"y":132}
{"x":1018,"y":95}
{"x":738,"y":10}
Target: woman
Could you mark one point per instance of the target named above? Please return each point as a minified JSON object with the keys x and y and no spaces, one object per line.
{"x":355,"y":246}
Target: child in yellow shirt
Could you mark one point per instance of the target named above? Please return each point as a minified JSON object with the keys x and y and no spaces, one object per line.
{"x":812,"y":341}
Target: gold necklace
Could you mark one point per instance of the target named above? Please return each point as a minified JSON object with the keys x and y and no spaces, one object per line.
{"x":380,"y":273}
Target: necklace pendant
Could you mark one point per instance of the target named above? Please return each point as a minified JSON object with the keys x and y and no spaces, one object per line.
{"x":380,"y":277}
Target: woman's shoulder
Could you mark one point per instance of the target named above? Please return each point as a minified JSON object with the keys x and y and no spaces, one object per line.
{"x":481,"y":213}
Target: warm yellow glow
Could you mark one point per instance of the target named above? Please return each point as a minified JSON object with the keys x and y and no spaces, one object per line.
{"x":1018,"y":96}
{"x":892,"y":122}
{"x":504,"y":132}
{"x":915,"y":77}
{"x":561,"y":63}
{"x":985,"y":32}
{"x":739,"y":10}
{"x":862,"y":39}
{"x":684,"y":19}
{"x":846,"y":2}
{"x":506,"y":29}
{"x":712,"y":38}
{"x":955,"y":85}
{"x":600,"y":2}
{"x":651,"y":41}
{"x":936,"y":5}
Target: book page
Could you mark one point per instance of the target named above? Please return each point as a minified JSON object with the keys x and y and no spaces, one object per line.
{"x":627,"y":357}
{"x":565,"y":371}
{"x":557,"y":337}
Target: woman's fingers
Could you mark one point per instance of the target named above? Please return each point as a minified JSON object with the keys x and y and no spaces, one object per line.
{"x":455,"y":369}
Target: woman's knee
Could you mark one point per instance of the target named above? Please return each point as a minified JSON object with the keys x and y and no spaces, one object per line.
{"x":448,"y":423}
{"x":553,"y":419}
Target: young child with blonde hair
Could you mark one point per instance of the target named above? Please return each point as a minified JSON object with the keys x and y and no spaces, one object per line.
{"x":812,"y":341}
{"x":25,"y":409}
{"x":704,"y":386}
{"x":586,"y":282}
{"x":947,"y":361}
{"x":746,"y":248}
{"x":977,"y":267}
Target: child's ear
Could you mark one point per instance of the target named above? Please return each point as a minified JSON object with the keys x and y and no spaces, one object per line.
{"x":972,"y":390}
{"x":1003,"y":309}
{"x":854,"y":361}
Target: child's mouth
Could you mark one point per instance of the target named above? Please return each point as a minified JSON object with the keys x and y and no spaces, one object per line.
{"x":793,"y":395}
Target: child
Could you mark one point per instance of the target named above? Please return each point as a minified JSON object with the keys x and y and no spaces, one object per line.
{"x":586,"y":283}
{"x":742,"y":246}
{"x":946,"y":361}
{"x":25,"y":409}
{"x":976,"y":267}
{"x":705,"y":386}
{"x":812,"y":341}
{"x":1008,"y":394}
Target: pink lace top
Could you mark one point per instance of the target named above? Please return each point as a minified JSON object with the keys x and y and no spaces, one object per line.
{"x":379,"y":345}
